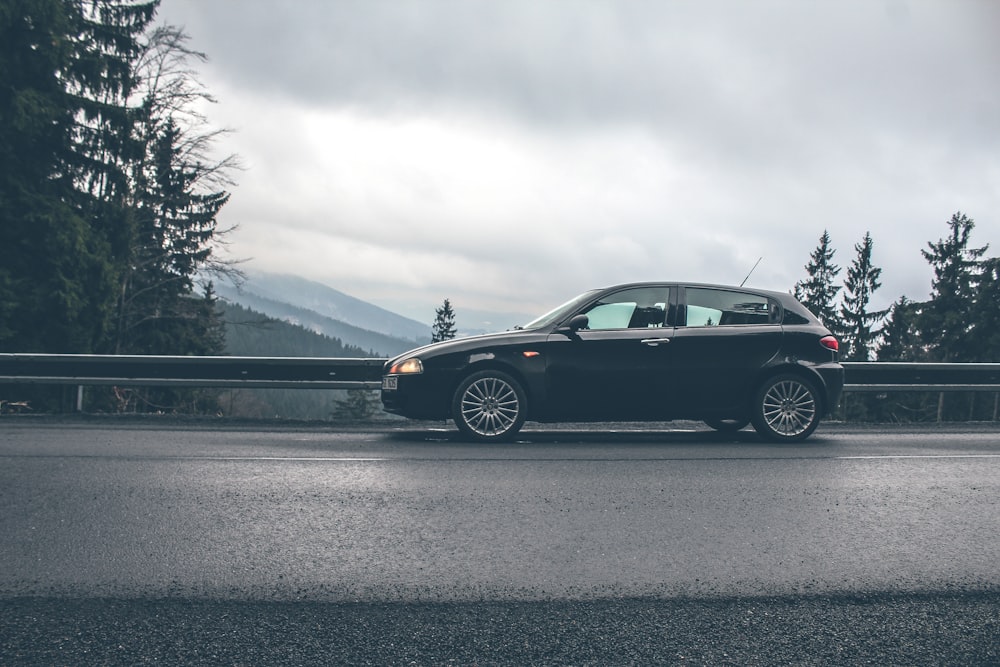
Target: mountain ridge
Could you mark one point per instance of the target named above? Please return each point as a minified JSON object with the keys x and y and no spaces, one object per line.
{"x":327,"y":311}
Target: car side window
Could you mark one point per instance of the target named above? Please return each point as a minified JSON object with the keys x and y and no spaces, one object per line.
{"x":636,"y":308}
{"x":712,"y":307}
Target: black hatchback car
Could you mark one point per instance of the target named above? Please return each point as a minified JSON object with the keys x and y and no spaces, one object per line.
{"x":729,"y":356}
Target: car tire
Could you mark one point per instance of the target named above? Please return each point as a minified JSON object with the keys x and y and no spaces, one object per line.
{"x":786,"y":408}
{"x":727,"y":425}
{"x":489,"y":406}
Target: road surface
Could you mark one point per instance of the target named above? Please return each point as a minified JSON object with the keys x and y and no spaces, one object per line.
{"x":128,"y":542}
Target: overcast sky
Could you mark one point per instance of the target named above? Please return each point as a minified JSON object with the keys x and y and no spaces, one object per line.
{"x":509,"y":154}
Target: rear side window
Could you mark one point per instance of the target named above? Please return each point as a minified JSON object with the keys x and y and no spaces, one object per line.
{"x":794,"y":318}
{"x":713,"y":307}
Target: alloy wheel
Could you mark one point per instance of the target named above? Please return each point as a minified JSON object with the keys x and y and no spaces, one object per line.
{"x":489,"y":406}
{"x":787,"y":409}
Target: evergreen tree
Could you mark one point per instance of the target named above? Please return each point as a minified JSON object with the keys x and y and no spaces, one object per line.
{"x":444,"y":323}
{"x":176,"y":198}
{"x":985,"y":337}
{"x":108,"y":199}
{"x":173,"y":231}
{"x":947,"y":320}
{"x":818,"y":292}
{"x":100,"y":80}
{"x":65,"y":68}
{"x":900,"y":339}
{"x":860,"y":324}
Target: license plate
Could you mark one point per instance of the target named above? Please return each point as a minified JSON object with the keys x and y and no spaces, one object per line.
{"x":390,"y":383}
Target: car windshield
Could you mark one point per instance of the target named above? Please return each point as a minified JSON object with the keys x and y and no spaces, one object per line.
{"x":561,"y":312}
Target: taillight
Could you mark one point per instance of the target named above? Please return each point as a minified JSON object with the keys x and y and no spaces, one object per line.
{"x":830,"y":343}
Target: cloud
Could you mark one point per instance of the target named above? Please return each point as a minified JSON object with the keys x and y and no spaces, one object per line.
{"x":508,"y":155}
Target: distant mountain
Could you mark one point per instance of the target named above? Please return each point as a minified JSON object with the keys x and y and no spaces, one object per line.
{"x":333,"y":304}
{"x":327,"y":311}
{"x":253,"y":334}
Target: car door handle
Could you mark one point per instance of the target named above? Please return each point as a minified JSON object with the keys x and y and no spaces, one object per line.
{"x":654,"y":341}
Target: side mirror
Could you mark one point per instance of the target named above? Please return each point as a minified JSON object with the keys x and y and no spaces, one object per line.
{"x":576,"y":323}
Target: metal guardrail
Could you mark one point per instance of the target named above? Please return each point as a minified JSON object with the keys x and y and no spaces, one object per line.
{"x":149,"y":371}
{"x":352,"y":373}
{"x":880,"y":376}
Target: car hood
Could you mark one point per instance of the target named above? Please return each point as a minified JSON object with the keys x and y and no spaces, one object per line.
{"x":460,"y":344}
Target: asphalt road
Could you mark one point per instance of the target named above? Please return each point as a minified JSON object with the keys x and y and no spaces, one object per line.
{"x":170,"y":543}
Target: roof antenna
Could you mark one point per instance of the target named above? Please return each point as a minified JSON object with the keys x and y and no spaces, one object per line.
{"x":751,"y":271}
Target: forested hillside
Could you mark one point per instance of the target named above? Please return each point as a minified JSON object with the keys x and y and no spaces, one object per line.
{"x":351,"y":336}
{"x":109,"y":187}
{"x":253,"y":334}
{"x":322,"y":308}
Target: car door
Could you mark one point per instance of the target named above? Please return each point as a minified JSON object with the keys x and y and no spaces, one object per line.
{"x":613,"y":369}
{"x":723,"y":338}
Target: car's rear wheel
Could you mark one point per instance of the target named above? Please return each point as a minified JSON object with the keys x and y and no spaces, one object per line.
{"x":786,"y":408}
{"x":489,"y":406}
{"x":727,"y":425}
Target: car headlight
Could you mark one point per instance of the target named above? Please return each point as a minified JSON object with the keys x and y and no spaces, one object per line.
{"x":407,"y":367}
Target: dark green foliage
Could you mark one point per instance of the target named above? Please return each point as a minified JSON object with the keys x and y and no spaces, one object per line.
{"x":176,"y":196}
{"x":106,"y":205}
{"x":444,"y":323}
{"x":900,"y":341}
{"x":947,"y":321}
{"x":251,"y":334}
{"x":106,"y":209}
{"x":196,"y":328}
{"x":985,"y":335}
{"x":959,"y":323}
{"x":860,"y":329}
{"x":948,"y":324}
{"x":59,"y":65}
{"x":358,"y":405}
{"x":818,"y":292}
{"x":174,"y":226}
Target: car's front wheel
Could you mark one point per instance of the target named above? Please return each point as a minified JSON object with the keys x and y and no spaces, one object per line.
{"x":489,"y":406}
{"x":786,"y":408}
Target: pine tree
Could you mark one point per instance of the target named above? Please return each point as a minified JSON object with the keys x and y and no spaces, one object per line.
{"x":900,"y":339}
{"x":63,"y":136}
{"x":100,"y":80}
{"x":176,"y":197}
{"x":108,"y":198}
{"x":172,"y":235}
{"x":947,"y":320}
{"x":860,"y":330}
{"x":444,"y":323}
{"x":818,"y":292}
{"x":985,"y":336}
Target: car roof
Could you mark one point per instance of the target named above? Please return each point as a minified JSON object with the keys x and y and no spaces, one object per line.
{"x":781,"y":296}
{"x":786,"y":299}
